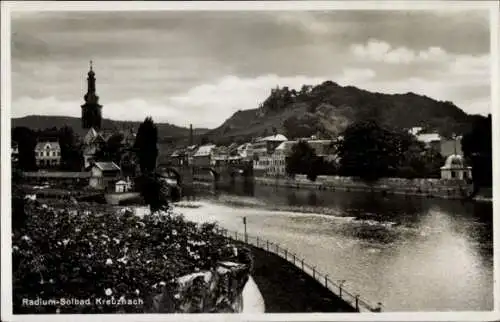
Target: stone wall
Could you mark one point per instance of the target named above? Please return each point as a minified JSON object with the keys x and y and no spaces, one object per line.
{"x":214,"y":291}
{"x":450,"y":189}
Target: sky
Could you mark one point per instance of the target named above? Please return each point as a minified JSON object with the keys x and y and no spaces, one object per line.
{"x":199,"y":67}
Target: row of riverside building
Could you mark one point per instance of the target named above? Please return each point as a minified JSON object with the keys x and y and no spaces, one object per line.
{"x":268,"y":155}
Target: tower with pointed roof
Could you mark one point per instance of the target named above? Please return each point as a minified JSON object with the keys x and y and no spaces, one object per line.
{"x":91,"y":110}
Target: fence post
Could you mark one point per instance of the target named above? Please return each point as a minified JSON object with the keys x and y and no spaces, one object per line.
{"x":257,"y":241}
{"x":326,"y":280}
{"x":286,"y":253}
{"x":293,"y":259}
{"x":302,"y":264}
{"x":267,"y":245}
{"x":277,"y":249}
{"x":341,"y":282}
{"x":357,"y":303}
{"x":314,"y":272}
{"x":236,"y":235}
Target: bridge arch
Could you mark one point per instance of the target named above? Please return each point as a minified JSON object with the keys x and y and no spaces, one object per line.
{"x":165,"y":170}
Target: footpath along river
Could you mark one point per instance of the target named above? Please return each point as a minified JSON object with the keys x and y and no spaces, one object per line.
{"x":410,"y":253}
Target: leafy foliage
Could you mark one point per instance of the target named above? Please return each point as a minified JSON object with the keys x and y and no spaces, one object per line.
{"x":112,"y":150}
{"x":154,"y":191}
{"x":26,"y":140}
{"x":477,"y":148}
{"x":71,"y":154}
{"x":370,"y":151}
{"x":302,"y":127}
{"x":104,"y":254}
{"x":303,"y":160}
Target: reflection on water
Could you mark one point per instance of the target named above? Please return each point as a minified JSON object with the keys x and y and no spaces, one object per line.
{"x":409,"y":253}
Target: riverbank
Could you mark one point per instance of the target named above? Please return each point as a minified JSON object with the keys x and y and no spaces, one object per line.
{"x":430,"y":188}
{"x":287,"y":289}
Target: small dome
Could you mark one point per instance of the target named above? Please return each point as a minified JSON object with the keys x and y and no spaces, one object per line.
{"x":454,"y":161}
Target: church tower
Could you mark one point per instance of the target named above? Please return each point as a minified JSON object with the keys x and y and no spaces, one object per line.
{"x":91,"y":110}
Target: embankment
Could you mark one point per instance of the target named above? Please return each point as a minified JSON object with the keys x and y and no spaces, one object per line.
{"x":432,"y":188}
{"x":287,"y":289}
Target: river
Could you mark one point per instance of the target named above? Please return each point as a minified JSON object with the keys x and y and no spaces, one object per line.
{"x":410,"y":253}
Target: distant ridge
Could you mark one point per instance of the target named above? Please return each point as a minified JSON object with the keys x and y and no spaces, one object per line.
{"x":328,"y":108}
{"x":165,"y":130}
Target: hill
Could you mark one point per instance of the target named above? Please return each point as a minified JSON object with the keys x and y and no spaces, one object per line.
{"x":327,"y":109}
{"x":165,"y":130}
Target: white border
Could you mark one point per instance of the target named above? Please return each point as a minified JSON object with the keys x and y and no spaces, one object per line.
{"x":5,"y":190}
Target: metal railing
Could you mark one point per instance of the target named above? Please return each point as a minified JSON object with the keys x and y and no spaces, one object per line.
{"x":335,"y":286}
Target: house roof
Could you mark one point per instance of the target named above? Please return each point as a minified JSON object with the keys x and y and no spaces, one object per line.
{"x":286,"y":146}
{"x":107,"y":166}
{"x":428,"y":137}
{"x":244,"y":146}
{"x":277,"y":137}
{"x":204,"y":150}
{"x":51,"y":145}
{"x":121,"y":182}
{"x":178,"y":153}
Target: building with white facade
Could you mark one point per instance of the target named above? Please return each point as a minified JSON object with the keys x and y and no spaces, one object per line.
{"x":455,"y":168}
{"x":430,"y":140}
{"x":262,"y":151}
{"x":48,"y":154}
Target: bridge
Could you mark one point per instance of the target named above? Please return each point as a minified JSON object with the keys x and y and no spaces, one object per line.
{"x":190,"y":173}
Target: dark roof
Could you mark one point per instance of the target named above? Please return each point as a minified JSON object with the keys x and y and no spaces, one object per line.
{"x":107,"y":166}
{"x":58,"y":174}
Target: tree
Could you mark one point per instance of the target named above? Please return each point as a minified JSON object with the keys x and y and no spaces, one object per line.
{"x":112,"y":150}
{"x":155,"y":192}
{"x":71,"y":155}
{"x":305,"y":126}
{"x":477,"y":149}
{"x":146,"y":146}
{"x":303,"y":160}
{"x":26,"y":141}
{"x":370,"y":151}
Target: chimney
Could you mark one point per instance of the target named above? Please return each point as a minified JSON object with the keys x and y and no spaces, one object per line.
{"x":190,"y":134}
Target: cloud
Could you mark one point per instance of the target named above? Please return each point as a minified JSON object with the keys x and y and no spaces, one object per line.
{"x":200,"y":67}
{"x":381,"y":51}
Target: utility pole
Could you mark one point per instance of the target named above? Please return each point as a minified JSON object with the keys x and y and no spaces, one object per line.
{"x":245,"y":224}
{"x":455,"y":143}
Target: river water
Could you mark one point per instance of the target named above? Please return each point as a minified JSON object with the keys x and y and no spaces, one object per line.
{"x":410,"y":253}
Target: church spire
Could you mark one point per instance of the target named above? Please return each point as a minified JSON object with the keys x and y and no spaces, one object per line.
{"x":91,"y":110}
{"x":91,"y":80}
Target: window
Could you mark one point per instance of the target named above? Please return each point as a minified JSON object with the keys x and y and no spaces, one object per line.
{"x":453,"y":174}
